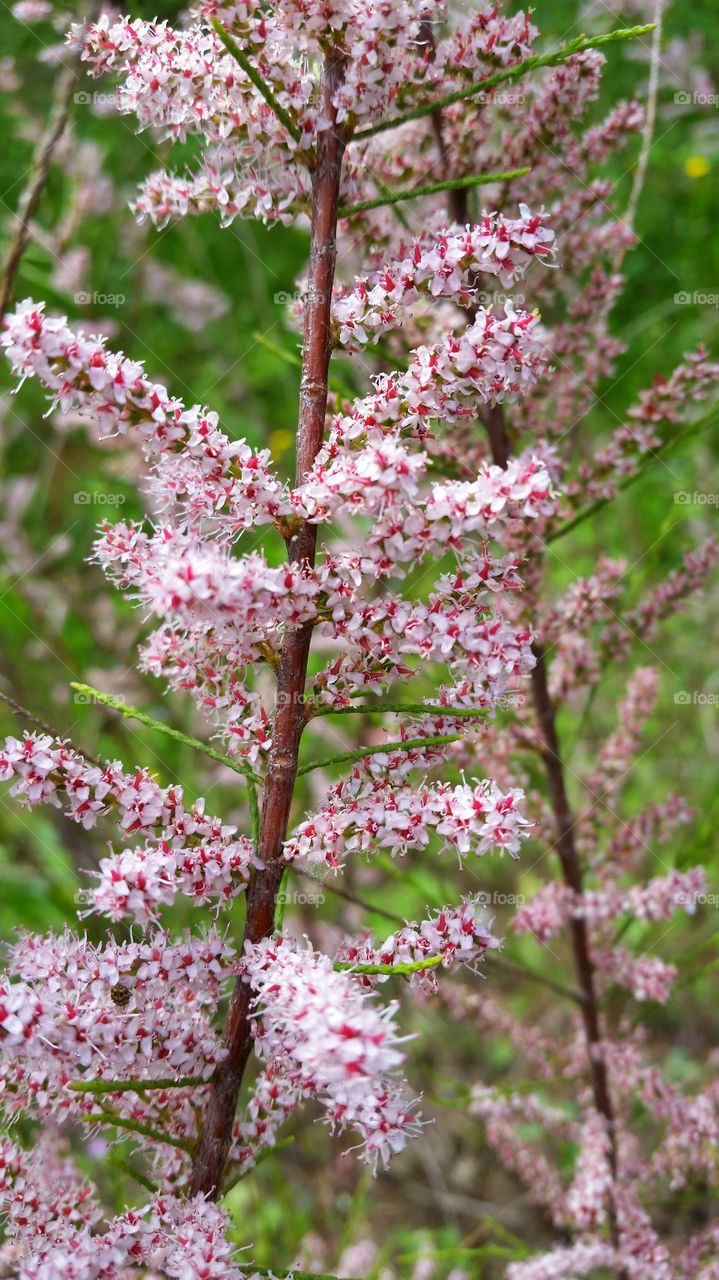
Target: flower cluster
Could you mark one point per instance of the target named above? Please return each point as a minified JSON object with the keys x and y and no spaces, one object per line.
{"x":444,"y":266}
{"x":220,"y":613}
{"x":322,"y":1032}
{"x":366,"y":814}
{"x":203,"y":470}
{"x":455,"y":935}
{"x":254,"y":161}
{"x":52,"y":1218}
{"x":129,"y":1011}
{"x":188,"y":852}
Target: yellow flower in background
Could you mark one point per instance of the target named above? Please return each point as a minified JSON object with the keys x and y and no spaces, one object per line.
{"x":280,"y":440}
{"x":696,"y":166}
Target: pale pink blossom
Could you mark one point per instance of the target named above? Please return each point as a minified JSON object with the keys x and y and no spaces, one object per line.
{"x":332,"y":1041}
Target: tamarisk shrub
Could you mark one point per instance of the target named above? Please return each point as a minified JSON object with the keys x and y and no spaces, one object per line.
{"x":385,"y":577}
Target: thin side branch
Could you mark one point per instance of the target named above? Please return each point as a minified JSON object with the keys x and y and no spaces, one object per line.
{"x":24,"y":714}
{"x":668,"y":446}
{"x":509,"y":74}
{"x":524,"y":971}
{"x":402,"y":969}
{"x":39,"y":172}
{"x":409,"y":744}
{"x":573,"y":877}
{"x":134,"y":1086}
{"x":586,"y":994}
{"x":572,"y":872}
{"x":135,"y":1126}
{"x":449,"y":184}
{"x":253,"y":74}
{"x":649,"y":124}
{"x":135,"y":713}
{"x":399,"y":709}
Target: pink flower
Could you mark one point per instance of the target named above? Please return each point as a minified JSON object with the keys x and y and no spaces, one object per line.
{"x":330,"y":1040}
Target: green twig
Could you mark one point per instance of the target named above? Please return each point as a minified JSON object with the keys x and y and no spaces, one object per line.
{"x":253,"y":74}
{"x":133,"y":1173}
{"x":410,"y":744}
{"x":668,"y":446}
{"x":42,"y":161}
{"x":335,"y":889}
{"x":239,"y":1174}
{"x":522,"y":970}
{"x":136,"y":713}
{"x":136,"y":1126}
{"x":507,"y":75}
{"x":414,"y":193}
{"x":281,"y":902}
{"x":295,"y":362}
{"x":387,"y":191}
{"x":32,"y":719}
{"x":402,"y":968}
{"x":395,"y":708}
{"x":134,"y":1086}
{"x":254,"y":810}
{"x":289,"y":357}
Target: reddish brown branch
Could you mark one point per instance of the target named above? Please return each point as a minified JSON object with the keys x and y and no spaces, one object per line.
{"x":568,"y":857}
{"x":292,"y":670}
{"x":500,"y":449}
{"x":40,"y":169}
{"x":457,"y":200}
{"x":572,"y":873}
{"x":566,"y":848}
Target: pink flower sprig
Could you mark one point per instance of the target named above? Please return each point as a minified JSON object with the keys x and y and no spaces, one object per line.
{"x":363,"y":814}
{"x":444,"y":265}
{"x":460,"y":935}
{"x":202,"y":471}
{"x":188,"y":852}
{"x":120,"y":1011}
{"x":55,"y":1239}
{"x":330,"y":1040}
{"x":551,"y":908}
